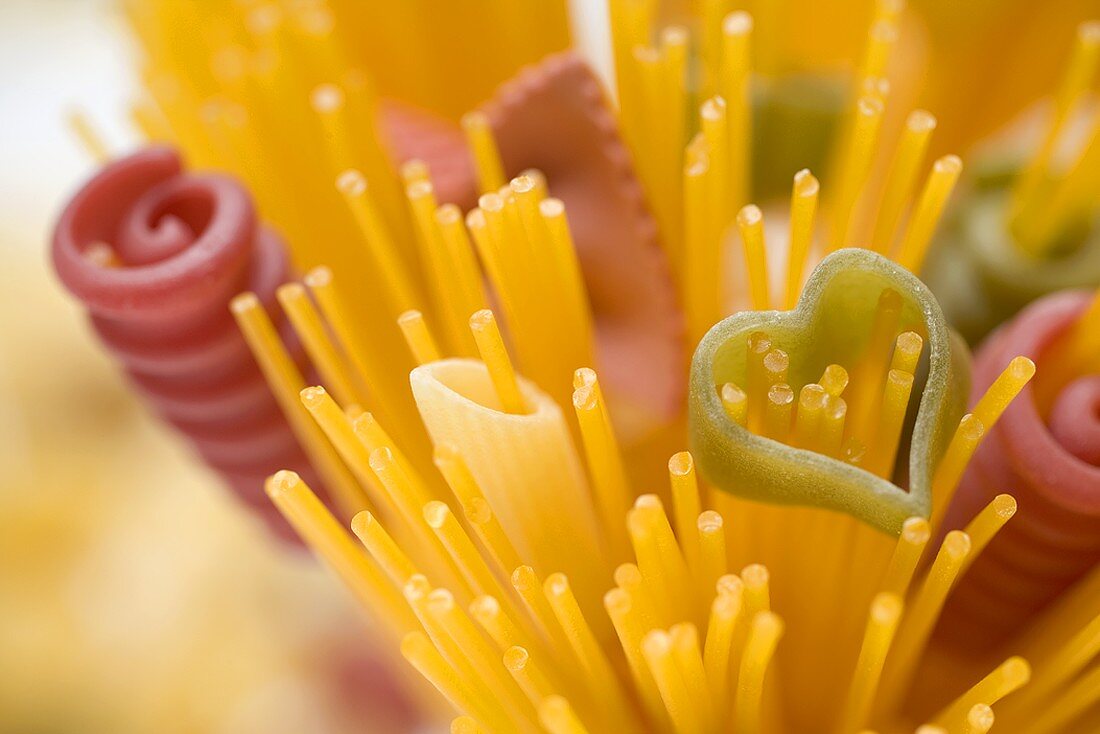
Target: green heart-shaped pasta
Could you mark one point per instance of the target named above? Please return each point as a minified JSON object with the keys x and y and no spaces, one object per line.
{"x":830,"y":324}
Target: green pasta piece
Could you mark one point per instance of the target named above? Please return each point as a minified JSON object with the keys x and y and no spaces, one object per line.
{"x":831,"y":324}
{"x":982,"y":277}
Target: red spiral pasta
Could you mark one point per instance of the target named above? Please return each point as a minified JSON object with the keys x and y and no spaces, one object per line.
{"x":1053,"y":471}
{"x":155,"y":255}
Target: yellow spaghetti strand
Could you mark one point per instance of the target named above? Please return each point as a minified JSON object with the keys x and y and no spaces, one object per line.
{"x":479,"y":136}
{"x":756,"y":580}
{"x":1070,"y":354}
{"x":605,"y":464}
{"x":778,"y":411}
{"x":628,"y":577}
{"x":833,"y":418}
{"x":604,"y":685}
{"x":812,"y":400}
{"x":710,"y":527}
{"x":395,"y":281}
{"x":465,"y":294}
{"x":895,"y":401}
{"x":988,"y":522}
{"x":870,"y":372}
{"x":1003,"y":391}
{"x":630,"y":629}
{"x":907,"y":351}
{"x":702,"y":253}
{"x":418,"y":650}
{"x":329,"y":103}
{"x":735,"y":401}
{"x":409,"y":497}
{"x":804,"y":194}
{"x":686,"y":507}
{"x":569,"y":279}
{"x":734,"y":86}
{"x":531,"y":680}
{"x":855,"y":168}
{"x":973,"y":427}
{"x":421,"y":343}
{"x":979,"y":720}
{"x":659,"y":558}
{"x":922,"y":225}
{"x":286,"y":382}
{"x":922,"y":617}
{"x":558,"y":717}
{"x":1070,"y":199}
{"x":882,"y":624}
{"x":334,"y":423}
{"x":323,"y":534}
{"x":834,"y":379}
{"x":370,"y":371}
{"x":442,"y":521}
{"x":881,"y":39}
{"x":764,"y":634}
{"x":476,"y":509}
{"x":327,"y":357}
{"x":689,"y":660}
{"x":915,"y":533}
{"x":1056,"y":670}
{"x":750,"y":221}
{"x":902,"y":178}
{"x":678,"y":699}
{"x":1073,"y":702}
{"x":484,"y":660}
{"x":776,"y":364}
{"x":526,"y":583}
{"x":465,"y":725}
{"x":415,"y":171}
{"x":386,"y":553}
{"x":946,"y":479}
{"x":715,"y":130}
{"x":725,"y":611}
{"x":491,"y":347}
{"x":1002,"y":681}
{"x":445,"y":275}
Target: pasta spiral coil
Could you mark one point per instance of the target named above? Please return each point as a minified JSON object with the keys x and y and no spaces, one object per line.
{"x":1052,"y":468}
{"x":155,"y":255}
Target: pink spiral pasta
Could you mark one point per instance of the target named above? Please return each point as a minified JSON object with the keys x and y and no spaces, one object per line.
{"x":155,"y":255}
{"x":1052,"y":468}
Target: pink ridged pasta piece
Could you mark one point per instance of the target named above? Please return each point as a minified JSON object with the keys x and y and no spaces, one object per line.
{"x":1052,"y":468}
{"x":155,"y":255}
{"x":553,"y":116}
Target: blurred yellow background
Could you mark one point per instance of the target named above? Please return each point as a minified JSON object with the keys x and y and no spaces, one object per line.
{"x":134,"y":597}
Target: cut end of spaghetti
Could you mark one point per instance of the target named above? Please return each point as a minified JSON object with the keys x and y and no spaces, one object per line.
{"x":351,"y":183}
{"x":806,"y":184}
{"x":244,"y":302}
{"x":281,"y":482}
{"x":738,"y":23}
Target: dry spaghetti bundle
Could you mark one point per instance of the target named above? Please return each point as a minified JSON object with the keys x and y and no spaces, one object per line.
{"x":468,"y":577}
{"x":467,"y":574}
